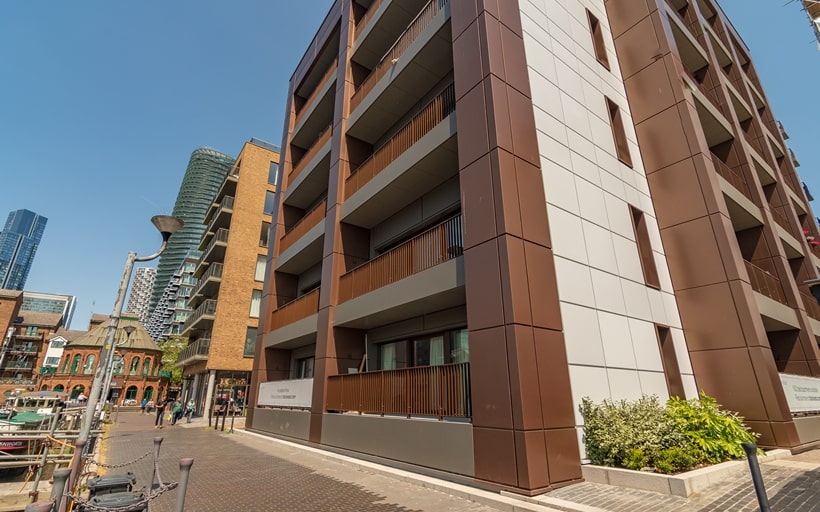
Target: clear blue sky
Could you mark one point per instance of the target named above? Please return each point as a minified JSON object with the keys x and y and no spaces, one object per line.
{"x":101,"y":104}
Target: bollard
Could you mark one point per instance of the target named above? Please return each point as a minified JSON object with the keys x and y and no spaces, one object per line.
{"x":184,"y":472}
{"x":39,"y":506}
{"x":757,"y":478}
{"x":60,"y":477}
{"x":157,"y":444}
{"x":233,"y":416}
{"x":116,"y":412}
{"x":224,"y":417}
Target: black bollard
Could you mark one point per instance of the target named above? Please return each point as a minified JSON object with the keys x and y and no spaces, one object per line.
{"x":757,"y":478}
{"x":157,"y":445}
{"x":184,"y":472}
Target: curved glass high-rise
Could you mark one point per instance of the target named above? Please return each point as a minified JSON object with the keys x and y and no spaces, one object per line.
{"x":18,"y":243}
{"x":206,"y":170}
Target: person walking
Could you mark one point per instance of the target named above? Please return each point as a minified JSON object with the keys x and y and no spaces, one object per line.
{"x":189,"y":410}
{"x":142,"y":405}
{"x":160,"y":412}
{"x":176,"y":411}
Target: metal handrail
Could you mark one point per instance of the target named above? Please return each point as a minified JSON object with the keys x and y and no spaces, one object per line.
{"x":303,"y":225}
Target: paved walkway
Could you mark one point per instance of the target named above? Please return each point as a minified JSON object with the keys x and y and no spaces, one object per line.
{"x":245,"y":471}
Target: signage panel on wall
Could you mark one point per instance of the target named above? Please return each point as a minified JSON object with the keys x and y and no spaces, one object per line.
{"x":286,"y":393}
{"x":802,"y":393}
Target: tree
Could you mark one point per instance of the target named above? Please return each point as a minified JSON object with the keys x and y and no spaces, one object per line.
{"x":170,"y":352}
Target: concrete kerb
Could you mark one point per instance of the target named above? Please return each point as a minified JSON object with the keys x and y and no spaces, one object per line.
{"x":683,"y":485}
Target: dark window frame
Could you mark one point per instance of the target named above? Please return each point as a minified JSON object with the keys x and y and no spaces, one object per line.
{"x":598,"y":44}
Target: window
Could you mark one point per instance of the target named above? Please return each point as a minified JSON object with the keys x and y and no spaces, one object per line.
{"x":57,"y":344}
{"x":119,"y":363}
{"x":250,"y":342}
{"x":261,"y":265}
{"x":428,"y":350}
{"x":304,"y":368}
{"x":263,"y":235}
{"x":671,"y":370}
{"x":273,"y":173}
{"x":597,"y":39}
{"x":269,"y":197}
{"x":66,"y":362}
{"x":88,"y":367}
{"x":650,"y":271}
{"x":256,"y":301}
{"x":618,"y":133}
{"x":75,"y":364}
{"x":52,"y":361}
{"x":146,"y":366}
{"x":135,"y":365}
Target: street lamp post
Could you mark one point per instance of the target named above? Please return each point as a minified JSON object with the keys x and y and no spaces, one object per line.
{"x":109,"y":369}
{"x":167,"y":226}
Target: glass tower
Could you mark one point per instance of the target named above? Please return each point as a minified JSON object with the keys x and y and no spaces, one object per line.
{"x":206,"y":170}
{"x":18,"y":242}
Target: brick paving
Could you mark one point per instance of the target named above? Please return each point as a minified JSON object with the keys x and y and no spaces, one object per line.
{"x":238,"y":472}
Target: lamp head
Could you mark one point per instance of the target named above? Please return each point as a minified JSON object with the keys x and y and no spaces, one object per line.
{"x":167,"y":225}
{"x":129,"y":330}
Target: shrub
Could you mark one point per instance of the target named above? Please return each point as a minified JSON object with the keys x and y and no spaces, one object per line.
{"x":677,"y":437}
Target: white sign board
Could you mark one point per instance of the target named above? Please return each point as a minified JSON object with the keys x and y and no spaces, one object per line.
{"x":802,"y":393}
{"x":286,"y":393}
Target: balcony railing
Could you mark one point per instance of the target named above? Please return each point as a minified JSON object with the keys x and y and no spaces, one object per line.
{"x":781,"y":219}
{"x":28,"y":336}
{"x":331,"y":71}
{"x":28,"y":365}
{"x":430,"y":116}
{"x":224,"y":205}
{"x":29,"y":349}
{"x":214,"y":271}
{"x":812,"y":307}
{"x":434,"y":246}
{"x":297,"y":309}
{"x":197,"y":350}
{"x":765,"y":283}
{"x":404,"y":41}
{"x":206,"y":308}
{"x":733,"y":177}
{"x":441,"y":391}
{"x":366,"y":18}
{"x":311,"y":152}
{"x":221,"y":237}
{"x":304,"y":224}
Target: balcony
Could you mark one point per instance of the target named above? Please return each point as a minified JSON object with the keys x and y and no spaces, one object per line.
{"x":735,"y":178}
{"x":812,"y":307}
{"x":221,"y":217}
{"x":433,"y":247}
{"x":308,"y":177}
{"x":215,"y":251}
{"x":298,"y":230}
{"x":196,"y":351}
{"x":329,"y":75}
{"x":17,"y":366}
{"x":201,"y":317}
{"x":208,"y":283}
{"x":29,"y":336}
{"x":295,"y":310}
{"x":765,"y":283}
{"x":437,"y":391}
{"x":24,"y":349}
{"x":420,"y":58}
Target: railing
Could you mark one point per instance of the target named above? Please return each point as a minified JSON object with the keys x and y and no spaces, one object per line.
{"x":440,"y":391}
{"x":331,"y":71}
{"x":17,"y":366}
{"x":24,"y":348}
{"x":731,"y":176}
{"x":366,"y":18}
{"x":404,"y":41}
{"x":436,"y":245}
{"x":812,"y":307}
{"x":297,"y":309}
{"x":428,"y":118}
{"x":225,"y":204}
{"x":311,"y":152}
{"x":303,"y":225}
{"x":765,"y":283}
{"x":206,"y":308}
{"x":221,"y":236}
{"x":781,"y":219}
{"x":214,"y":271}
{"x":26,"y":336}
{"x":198,"y":349}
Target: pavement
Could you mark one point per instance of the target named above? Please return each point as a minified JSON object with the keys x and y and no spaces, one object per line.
{"x":242,"y":471}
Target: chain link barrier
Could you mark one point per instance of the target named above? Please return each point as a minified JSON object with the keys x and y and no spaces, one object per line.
{"x":89,"y":460}
{"x":89,"y":506}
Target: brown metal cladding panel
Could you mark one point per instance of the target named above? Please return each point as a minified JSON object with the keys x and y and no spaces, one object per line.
{"x":710,"y":185}
{"x":785,"y":433}
{"x":498,"y":114}
{"x":514,"y":282}
{"x":663,"y":140}
{"x":710,"y":318}
{"x":523,"y":127}
{"x":495,"y":455}
{"x":750,"y":322}
{"x":510,"y":16}
{"x":731,"y":258}
{"x":546,"y":308}
{"x":681,"y":243}
{"x":644,"y":45}
{"x":676,"y":187}
{"x":532,"y":203}
{"x":553,"y":379}
{"x":489,"y":379}
{"x":467,"y":61}
{"x":485,"y":306}
{"x":653,"y":90}
{"x":729,"y":376}
{"x":624,"y":14}
{"x":524,"y":378}
{"x":531,"y":458}
{"x":515,"y":61}
{"x":471,"y":118}
{"x":462,"y":14}
{"x":695,"y":137}
{"x":505,"y":184}
{"x":765,"y":432}
{"x":771,"y":387}
{"x":477,"y":202}
{"x":492,"y":53}
{"x":562,"y":455}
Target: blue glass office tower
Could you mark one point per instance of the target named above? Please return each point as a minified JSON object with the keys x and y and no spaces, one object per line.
{"x":206,"y":171}
{"x":18,"y":242}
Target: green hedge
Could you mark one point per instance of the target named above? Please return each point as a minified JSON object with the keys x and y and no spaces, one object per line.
{"x":678,"y":436}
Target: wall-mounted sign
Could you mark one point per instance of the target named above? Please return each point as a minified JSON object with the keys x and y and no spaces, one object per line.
{"x":802,"y":393}
{"x":286,"y":393}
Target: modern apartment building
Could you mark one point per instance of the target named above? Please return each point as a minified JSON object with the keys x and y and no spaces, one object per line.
{"x":205,"y":172}
{"x":226,"y":302}
{"x":490,"y":210}
{"x":24,"y":347}
{"x":140,"y":295}
{"x":172,"y":310}
{"x":19,"y":240}
{"x":50,"y":303}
